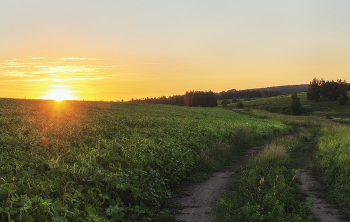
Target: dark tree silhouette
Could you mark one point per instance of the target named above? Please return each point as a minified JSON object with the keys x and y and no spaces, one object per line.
{"x":313,"y":92}
{"x":238,"y":94}
{"x":330,"y":90}
{"x":200,"y":98}
{"x":296,"y":105}
{"x":192,"y":98}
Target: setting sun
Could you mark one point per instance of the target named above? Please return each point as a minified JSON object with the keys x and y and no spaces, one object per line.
{"x":59,"y":95}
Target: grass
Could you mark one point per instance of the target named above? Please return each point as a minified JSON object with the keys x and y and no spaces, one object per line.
{"x":103,"y":161}
{"x":333,"y":159}
{"x":264,"y":189}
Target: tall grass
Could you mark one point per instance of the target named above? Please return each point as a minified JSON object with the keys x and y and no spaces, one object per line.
{"x":333,"y":156}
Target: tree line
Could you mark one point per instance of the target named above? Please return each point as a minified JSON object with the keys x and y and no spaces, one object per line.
{"x":319,"y":89}
{"x":192,"y":99}
{"x":247,"y":93}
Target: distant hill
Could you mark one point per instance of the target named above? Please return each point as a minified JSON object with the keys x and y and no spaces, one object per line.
{"x":287,"y":88}
{"x":283,"y":89}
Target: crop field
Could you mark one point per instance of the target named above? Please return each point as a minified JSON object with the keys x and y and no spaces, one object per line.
{"x":104,"y":161}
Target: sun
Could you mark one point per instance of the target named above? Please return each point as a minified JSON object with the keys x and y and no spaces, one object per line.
{"x":59,"y":95}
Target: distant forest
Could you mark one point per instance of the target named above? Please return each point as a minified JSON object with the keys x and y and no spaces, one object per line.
{"x":192,"y":99}
{"x":261,"y":92}
{"x":209,"y":99}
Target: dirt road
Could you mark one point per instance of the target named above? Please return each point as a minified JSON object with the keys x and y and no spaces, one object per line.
{"x":323,"y":211}
{"x":206,"y":194}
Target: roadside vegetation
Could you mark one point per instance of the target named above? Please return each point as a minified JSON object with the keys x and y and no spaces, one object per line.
{"x":103,"y":161}
{"x":264,"y":189}
{"x":333,"y":160}
{"x":255,"y":198}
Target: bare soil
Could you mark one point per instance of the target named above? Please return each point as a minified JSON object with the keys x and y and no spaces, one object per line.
{"x":308,"y":184}
{"x":204,"y":195}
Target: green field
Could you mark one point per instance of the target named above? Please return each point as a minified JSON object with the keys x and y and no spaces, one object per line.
{"x":104,"y":161}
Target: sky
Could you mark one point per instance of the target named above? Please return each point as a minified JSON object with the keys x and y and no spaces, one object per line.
{"x":114,"y":49}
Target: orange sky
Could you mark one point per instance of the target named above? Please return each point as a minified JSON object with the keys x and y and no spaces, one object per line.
{"x":110,"y":50}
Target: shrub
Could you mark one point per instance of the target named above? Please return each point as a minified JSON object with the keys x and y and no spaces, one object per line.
{"x":225,"y":102}
{"x":240,"y":105}
{"x":341,"y":100}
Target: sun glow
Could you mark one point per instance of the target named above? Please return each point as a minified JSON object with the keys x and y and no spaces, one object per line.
{"x":59,"y":95}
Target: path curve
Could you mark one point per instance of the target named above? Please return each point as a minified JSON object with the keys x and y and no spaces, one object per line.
{"x":204,"y":195}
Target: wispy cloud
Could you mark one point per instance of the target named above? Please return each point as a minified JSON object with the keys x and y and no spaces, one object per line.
{"x":62,"y":79}
{"x":56,"y":70}
{"x":162,"y":64}
{"x":14,"y":64}
{"x":67,"y":69}
{"x":16,"y":74}
{"x":78,"y":58}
